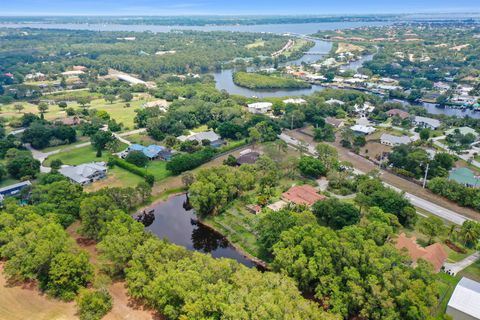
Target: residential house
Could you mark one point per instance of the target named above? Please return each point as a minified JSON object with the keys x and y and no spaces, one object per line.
{"x":85,"y":173}
{"x":69,"y":121}
{"x":253,"y":208}
{"x":398,"y":113}
{"x":152,"y":152}
{"x":391,"y":140}
{"x":302,"y":195}
{"x":295,"y":101}
{"x":259,"y":107}
{"x":462,"y":130}
{"x":337,"y":123}
{"x":37,"y":76}
{"x":250,"y":157}
{"x":425,"y":122}
{"x":334,"y":101}
{"x":13,"y":189}
{"x":464,"y":304}
{"x":215,"y":140}
{"x":361,"y":129}
{"x":363,"y":110}
{"x":464,"y":176}
{"x":72,"y":73}
{"x":434,"y":253}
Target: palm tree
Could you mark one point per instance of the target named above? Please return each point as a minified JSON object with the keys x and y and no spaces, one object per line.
{"x":282,"y":146}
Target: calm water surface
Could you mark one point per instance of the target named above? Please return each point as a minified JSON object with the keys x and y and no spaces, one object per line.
{"x":175,"y":221}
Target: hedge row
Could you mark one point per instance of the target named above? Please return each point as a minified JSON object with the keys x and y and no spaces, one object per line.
{"x":150,"y":178}
{"x":185,"y":162}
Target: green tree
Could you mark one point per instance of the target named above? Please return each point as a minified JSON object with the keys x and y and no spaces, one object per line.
{"x":432,"y":227}
{"x":126,"y":96}
{"x":137,"y":158}
{"x":425,"y":134}
{"x":110,"y":98}
{"x":93,"y":305}
{"x":42,"y":108}
{"x":470,"y":233}
{"x":68,"y":273}
{"x":95,"y":213}
{"x":101,"y":139}
{"x":335,"y":213}
{"x":18,"y":107}
{"x":328,"y":155}
{"x":311,"y":167}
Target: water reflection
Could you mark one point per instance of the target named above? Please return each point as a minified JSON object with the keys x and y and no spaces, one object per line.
{"x":176,"y":221}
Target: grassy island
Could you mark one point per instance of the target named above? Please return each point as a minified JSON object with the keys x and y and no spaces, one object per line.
{"x":261,"y":81}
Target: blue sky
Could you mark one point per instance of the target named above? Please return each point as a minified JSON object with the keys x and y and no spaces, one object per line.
{"x":230,"y":7}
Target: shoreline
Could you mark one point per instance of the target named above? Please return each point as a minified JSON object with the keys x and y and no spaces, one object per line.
{"x":257,"y":261}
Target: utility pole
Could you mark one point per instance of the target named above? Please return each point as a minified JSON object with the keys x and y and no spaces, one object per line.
{"x":426,"y":173}
{"x":291,"y":124}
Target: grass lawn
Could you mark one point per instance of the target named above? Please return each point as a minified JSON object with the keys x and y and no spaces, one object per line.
{"x":158,"y":169}
{"x":80,"y":140}
{"x":472,"y":272}
{"x":77,"y":156}
{"x":116,"y":177}
{"x":256,"y":44}
{"x":8,"y":181}
{"x":237,"y":224}
{"x":141,"y":138}
{"x":446,"y":284}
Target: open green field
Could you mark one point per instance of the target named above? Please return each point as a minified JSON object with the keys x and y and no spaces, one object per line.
{"x":8,"y":181}
{"x":141,"y":138}
{"x":472,"y":272}
{"x":77,"y":156}
{"x":256,"y":44}
{"x":116,"y":177}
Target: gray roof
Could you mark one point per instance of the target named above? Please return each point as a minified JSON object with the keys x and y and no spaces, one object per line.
{"x":466,"y":298}
{"x":395,"y":139}
{"x":431,"y":122}
{"x":207,"y":135}
{"x":14,"y":186}
{"x":83,"y":172}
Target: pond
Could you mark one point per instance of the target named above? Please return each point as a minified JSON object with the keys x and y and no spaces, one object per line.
{"x":177,"y":222}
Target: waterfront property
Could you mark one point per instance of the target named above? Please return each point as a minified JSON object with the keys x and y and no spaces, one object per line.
{"x":428,"y":123}
{"x":211,"y":136}
{"x":464,"y":304}
{"x":391,"y":140}
{"x":463,"y":131}
{"x":259,"y":107}
{"x":13,"y":189}
{"x":302,"y":195}
{"x":295,"y":101}
{"x":464,"y":176}
{"x":434,"y":253}
{"x":398,"y":113}
{"x":86,"y":173}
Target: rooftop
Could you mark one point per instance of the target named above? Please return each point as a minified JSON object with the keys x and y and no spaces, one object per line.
{"x":302,"y":195}
{"x":395,"y":139}
{"x":429,"y":121}
{"x":83,"y":172}
{"x":462,"y":130}
{"x":151,"y":151}
{"x":207,"y":135}
{"x":398,"y":112}
{"x":464,"y":176}
{"x":466,"y":297}
{"x":295,"y":101}
{"x":363,"y":129}
{"x":434,"y":253}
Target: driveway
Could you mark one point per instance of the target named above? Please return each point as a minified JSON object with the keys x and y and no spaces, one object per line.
{"x":455,"y":268}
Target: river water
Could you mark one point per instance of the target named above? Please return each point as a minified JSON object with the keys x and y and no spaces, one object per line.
{"x":175,"y":221}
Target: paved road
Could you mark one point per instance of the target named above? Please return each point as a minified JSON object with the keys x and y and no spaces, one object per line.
{"x":418,"y":202}
{"x":42,"y":156}
{"x":455,"y":268}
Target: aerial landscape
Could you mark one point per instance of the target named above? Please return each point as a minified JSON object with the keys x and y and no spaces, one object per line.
{"x":254,"y":160}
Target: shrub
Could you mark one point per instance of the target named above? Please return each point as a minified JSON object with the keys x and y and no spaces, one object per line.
{"x":93,"y":305}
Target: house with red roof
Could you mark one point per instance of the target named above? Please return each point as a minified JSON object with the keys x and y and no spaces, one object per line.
{"x":302,"y":195}
{"x":434,"y":253}
{"x":399,"y":113}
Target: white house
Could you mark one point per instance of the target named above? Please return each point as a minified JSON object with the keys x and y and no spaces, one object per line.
{"x":464,"y":304}
{"x":358,"y":128}
{"x":86,"y":173}
{"x":391,"y":140}
{"x":259,"y":107}
{"x":334,"y":101}
{"x":425,"y":122}
{"x":295,"y":101}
